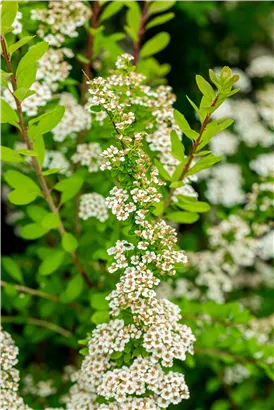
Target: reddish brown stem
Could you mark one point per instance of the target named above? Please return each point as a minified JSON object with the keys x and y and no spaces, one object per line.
{"x":35,"y":164}
{"x":90,"y":48}
{"x":137,"y":45}
{"x":195,"y":145}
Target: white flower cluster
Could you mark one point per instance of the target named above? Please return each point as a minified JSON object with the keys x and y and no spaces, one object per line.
{"x":260,"y":199}
{"x":225,"y":143}
{"x":248,"y":123}
{"x":9,"y":375}
{"x":224,"y":185}
{"x":60,"y":19}
{"x":52,"y":67}
{"x":75,"y":119}
{"x":93,"y":205}
{"x":236,"y":374}
{"x":17,"y":25}
{"x":89,"y":155}
{"x":154,"y":323}
{"x":156,"y":104}
{"x":41,"y":388}
{"x":31,"y":104}
{"x":266,"y":246}
{"x":214,"y":273}
{"x":233,"y":234}
{"x":261,"y":66}
{"x":263,"y":164}
{"x":56,"y":159}
{"x":265,"y":104}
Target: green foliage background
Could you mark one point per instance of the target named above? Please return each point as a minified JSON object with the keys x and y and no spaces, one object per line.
{"x":203,"y":34}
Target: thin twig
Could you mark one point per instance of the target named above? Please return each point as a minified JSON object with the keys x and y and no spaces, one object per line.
{"x":35,"y":164}
{"x":38,"y":322}
{"x":221,"y":353}
{"x":39,"y":293}
{"x":141,"y":31}
{"x":195,"y":145}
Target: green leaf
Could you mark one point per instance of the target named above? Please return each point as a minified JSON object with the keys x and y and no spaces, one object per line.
{"x":74,"y":288}
{"x":182,"y":217}
{"x":133,"y":18}
{"x":8,"y":13}
{"x":3,"y":79}
{"x":82,"y":59}
{"x":193,"y":105}
{"x":52,"y":262}
{"x":8,"y":155}
{"x":18,"y":180}
{"x":205,"y":88}
{"x":159,"y":208}
{"x":34,"y":54}
{"x":155,"y":44}
{"x":98,"y":301}
{"x":8,"y":115}
{"x":159,"y":6}
{"x":27,"y":67}
{"x":162,"y":171}
{"x":51,"y":171}
{"x":178,"y":150}
{"x":184,"y":126}
{"x":181,"y":121}
{"x":203,"y":163}
{"x":69,"y":242}
{"x":27,"y":152}
{"x":12,"y":268}
{"x":194,"y":206}
{"x":50,"y":221}
{"x":39,"y":146}
{"x":112,"y":8}
{"x":178,"y":172}
{"x":213,"y":128}
{"x":36,"y":213}
{"x":101,"y":316}
{"x":33,"y":231}
{"x":160,"y":20}
{"x":19,"y":44}
{"x":23,"y":93}
{"x":50,"y":120}
{"x":21,"y":196}
{"x":27,"y":76}
{"x":69,"y":187}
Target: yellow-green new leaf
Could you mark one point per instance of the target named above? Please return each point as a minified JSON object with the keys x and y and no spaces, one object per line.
{"x":9,"y":155}
{"x":205,"y":87}
{"x":8,"y":13}
{"x":182,"y":217}
{"x":133,"y":21}
{"x":178,"y":150}
{"x":19,"y":44}
{"x":23,"y":93}
{"x":157,"y":21}
{"x":111,"y":9}
{"x":197,"y":206}
{"x":8,"y":115}
{"x":160,"y":6}
{"x":155,"y":44}
{"x":204,"y":163}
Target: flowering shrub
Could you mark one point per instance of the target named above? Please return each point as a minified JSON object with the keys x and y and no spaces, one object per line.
{"x":98,"y":175}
